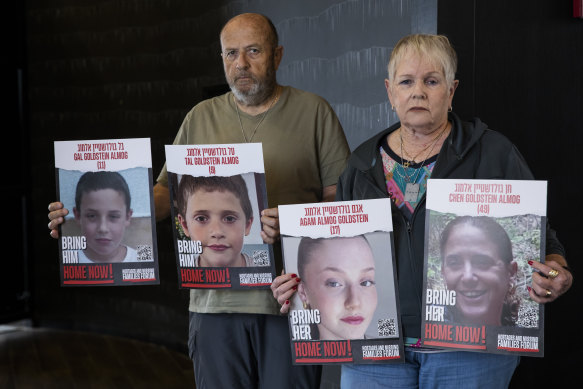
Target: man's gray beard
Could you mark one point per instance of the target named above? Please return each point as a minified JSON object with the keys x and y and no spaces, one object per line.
{"x":258,"y":93}
{"x":255,"y":96}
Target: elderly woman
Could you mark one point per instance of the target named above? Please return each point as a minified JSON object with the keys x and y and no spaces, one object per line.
{"x":430,"y":141}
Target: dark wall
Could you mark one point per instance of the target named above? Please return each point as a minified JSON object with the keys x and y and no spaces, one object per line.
{"x":340,"y":50}
{"x":15,"y":297}
{"x":521,"y":72}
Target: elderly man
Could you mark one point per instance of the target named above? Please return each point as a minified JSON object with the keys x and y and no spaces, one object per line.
{"x":238,"y":339}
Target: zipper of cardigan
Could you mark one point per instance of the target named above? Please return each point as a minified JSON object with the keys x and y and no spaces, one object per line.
{"x":413,"y":217}
{"x":421,"y":202}
{"x":410,"y":235}
{"x":409,"y":245}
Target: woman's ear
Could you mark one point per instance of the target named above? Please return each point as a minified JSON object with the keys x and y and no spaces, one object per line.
{"x":452,"y":90}
{"x":302,"y":294}
{"x":512,"y":268}
{"x":389,"y":93}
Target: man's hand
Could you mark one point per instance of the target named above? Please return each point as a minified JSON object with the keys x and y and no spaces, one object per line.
{"x":161,"y":201}
{"x":57,"y":215}
{"x":270,"y":222}
{"x":329,"y":193}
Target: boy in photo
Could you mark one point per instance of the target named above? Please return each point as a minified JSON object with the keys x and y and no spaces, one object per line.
{"x":102,"y":209}
{"x":217,"y":212}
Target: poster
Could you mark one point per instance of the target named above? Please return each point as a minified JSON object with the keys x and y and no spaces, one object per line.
{"x":480,"y":235}
{"x":109,"y":235}
{"x":346,"y":308}
{"x":217,"y":193}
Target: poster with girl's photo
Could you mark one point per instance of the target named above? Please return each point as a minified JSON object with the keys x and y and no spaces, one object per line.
{"x":217,"y":193}
{"x":109,"y":236}
{"x":346,"y":308}
{"x":480,"y":237}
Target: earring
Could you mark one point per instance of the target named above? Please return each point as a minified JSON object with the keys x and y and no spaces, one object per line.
{"x":305,"y":305}
{"x":393,"y":108}
{"x":450,"y":109}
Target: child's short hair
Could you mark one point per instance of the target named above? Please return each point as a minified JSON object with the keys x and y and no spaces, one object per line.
{"x":92,"y":181}
{"x":234,"y":184}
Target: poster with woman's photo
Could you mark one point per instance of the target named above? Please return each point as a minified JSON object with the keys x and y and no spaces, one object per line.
{"x":217,"y":193}
{"x":346,"y":308}
{"x":480,"y":236}
{"x":109,"y":236}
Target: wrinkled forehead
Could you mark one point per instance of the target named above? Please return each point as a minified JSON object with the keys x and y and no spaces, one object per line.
{"x":246,"y":30}
{"x":419,"y":55}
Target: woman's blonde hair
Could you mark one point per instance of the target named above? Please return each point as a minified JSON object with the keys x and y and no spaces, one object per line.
{"x":436,"y":48}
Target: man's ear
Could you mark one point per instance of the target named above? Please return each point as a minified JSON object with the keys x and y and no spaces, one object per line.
{"x":277,"y":56}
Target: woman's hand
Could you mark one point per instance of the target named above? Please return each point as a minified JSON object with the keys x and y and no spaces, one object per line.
{"x":550,"y":279}
{"x":283,"y":288}
{"x":57,"y":215}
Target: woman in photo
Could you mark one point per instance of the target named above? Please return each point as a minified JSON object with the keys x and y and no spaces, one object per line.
{"x":477,"y":263}
{"x":338,"y":279}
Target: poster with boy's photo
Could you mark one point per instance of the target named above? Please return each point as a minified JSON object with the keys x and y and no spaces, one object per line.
{"x":346,"y":308}
{"x":109,"y":235}
{"x":217,"y":193}
{"x":479,"y":238}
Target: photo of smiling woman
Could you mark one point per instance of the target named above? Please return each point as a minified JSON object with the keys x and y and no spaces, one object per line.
{"x":477,"y":263}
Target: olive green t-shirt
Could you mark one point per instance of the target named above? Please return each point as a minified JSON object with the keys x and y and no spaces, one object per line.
{"x":304,"y":150}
